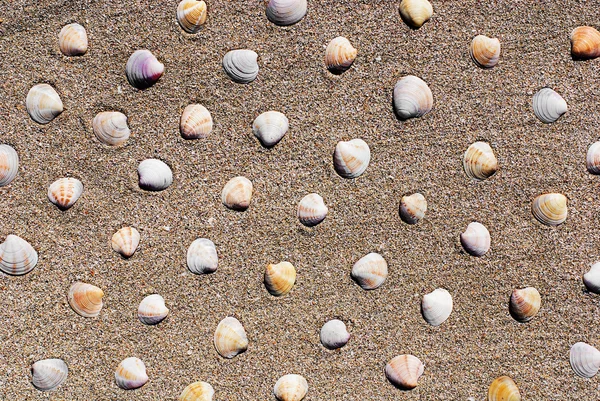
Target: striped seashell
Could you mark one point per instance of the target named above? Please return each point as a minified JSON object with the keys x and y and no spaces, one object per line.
{"x":241,"y":65}
{"x":525,"y":304}
{"x":43,"y":103}
{"x":191,"y":15}
{"x":197,"y":391}
{"x":270,"y":127}
{"x":64,"y":192}
{"x":412,"y":98}
{"x":591,"y":279}
{"x":85,"y":299}
{"x":286,"y":12}
{"x":339,"y":55}
{"x":280,"y":278}
{"x":312,"y":210}
{"x":504,"y":389}
{"x":131,"y":374}
{"x":196,"y":122}
{"x":370,"y":271}
{"x":479,"y":161}
{"x":548,"y":105}
{"x":73,"y":40}
{"x":154,"y":175}
{"x":230,"y":338}
{"x":403,"y":371}
{"x":436,"y":306}
{"x":17,"y":256}
{"x":550,"y":209}
{"x":48,"y":374}
{"x":476,"y":239}
{"x":291,"y":388}
{"x":152,"y":310}
{"x":237,"y":193}
{"x":111,"y":128}
{"x":351,"y":158}
{"x":9,"y":164}
{"x":413,"y":208}
{"x":585,"y":43}
{"x":585,"y":360}
{"x":143,"y":69}
{"x":125,"y":241}
{"x":334,"y":334}
{"x":485,"y":52}
{"x":202,"y":257}
{"x":415,"y":12}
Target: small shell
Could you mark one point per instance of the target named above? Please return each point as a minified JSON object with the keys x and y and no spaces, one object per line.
{"x":131,"y":374}
{"x":280,"y":278}
{"x":585,"y":43}
{"x":125,"y":241}
{"x":230,"y":338}
{"x":48,"y":374}
{"x":154,"y":175}
{"x":9,"y":164}
{"x":237,"y":193}
{"x":503,"y":389}
{"x":191,"y":15}
{"x":351,"y":158}
{"x":17,"y":256}
{"x":525,"y":304}
{"x":593,"y":158}
{"x":479,"y":161}
{"x":286,"y":12}
{"x":413,"y":208}
{"x":196,"y":122}
{"x":197,"y":391}
{"x":43,"y":103}
{"x":143,"y":69}
{"x":73,"y":40}
{"x":412,"y":98}
{"x":270,"y":127}
{"x":152,"y":309}
{"x":415,"y":12}
{"x":241,"y":65}
{"x":585,"y":360}
{"x":334,"y":334}
{"x":403,"y":371}
{"x":436,"y":306}
{"x":476,"y":239}
{"x":591,"y":279}
{"x":485,"y":51}
{"x":85,"y":299}
{"x":111,"y":128}
{"x":548,"y":105}
{"x":370,"y":271}
{"x":339,"y":55}
{"x":291,"y":388}
{"x":312,"y":210}
{"x":550,"y":209}
{"x":64,"y":192}
{"x":202,"y":257}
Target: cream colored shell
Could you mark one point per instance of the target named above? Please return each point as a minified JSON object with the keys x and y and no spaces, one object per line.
{"x":48,"y":374}
{"x":280,"y":278}
{"x":312,"y":210}
{"x":230,"y":338}
{"x":479,"y":161}
{"x":197,"y":391}
{"x":73,"y":40}
{"x":270,"y":127}
{"x":415,"y":12}
{"x":286,"y":12}
{"x":9,"y":164}
{"x":196,"y":122}
{"x":436,"y":306}
{"x":370,"y":271}
{"x":485,"y":52}
{"x":476,"y":239}
{"x":131,"y":374}
{"x":339,"y":55}
{"x":85,"y":299}
{"x":237,"y":193}
{"x":17,"y":256}
{"x":525,"y":304}
{"x":152,"y":310}
{"x":111,"y":128}
{"x":125,"y":241}
{"x":413,"y":208}
{"x":404,"y":371}
{"x":351,"y":158}
{"x":334,"y":334}
{"x":202,"y":257}
{"x":550,"y":209}
{"x":412,"y":98}
{"x":291,"y":388}
{"x":43,"y":103}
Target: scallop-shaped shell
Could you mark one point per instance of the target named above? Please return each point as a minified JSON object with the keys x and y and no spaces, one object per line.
{"x":291,"y":388}
{"x":196,"y":122}
{"x":403,"y":371}
{"x":351,"y":158}
{"x":237,"y":193}
{"x":43,"y":103}
{"x":85,"y":299}
{"x":197,"y":391}
{"x":202,"y":257}
{"x":339,"y":55}
{"x":152,"y":309}
{"x":191,"y":15}
{"x":154,"y":175}
{"x":111,"y":128}
{"x":585,"y":43}
{"x":592,"y":159}
{"x":550,"y":209}
{"x":479,"y":161}
{"x":17,"y":256}
{"x":143,"y":69}
{"x":73,"y":40}
{"x":241,"y":65}
{"x":436,"y":306}
{"x":280,"y":278}
{"x":525,"y":304}
{"x":230,"y":338}
{"x":312,"y":210}
{"x":413,"y":208}
{"x":286,"y":12}
{"x":48,"y":374}
{"x":131,"y":374}
{"x":125,"y":241}
{"x":412,"y":98}
{"x":415,"y":12}
{"x":270,"y":127}
{"x":476,"y":239}
{"x":548,"y":105}
{"x":485,"y":51}
{"x":585,"y":360}
{"x":334,"y":334}
{"x":370,"y":271}
{"x":64,"y":192}
{"x":591,"y":279}
{"x":9,"y":164}
{"x":503,"y":389}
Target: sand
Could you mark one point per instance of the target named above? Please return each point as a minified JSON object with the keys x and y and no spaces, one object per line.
{"x":479,"y":342}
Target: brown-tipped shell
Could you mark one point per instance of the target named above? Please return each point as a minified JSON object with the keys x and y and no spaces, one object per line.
{"x":125,"y":241}
{"x":550,"y":209}
{"x":351,"y":158}
{"x":73,"y":40}
{"x":403,"y":371}
{"x":503,"y":389}
{"x":291,"y":388}
{"x":585,"y":43}
{"x":370,"y":271}
{"x":476,"y":239}
{"x":237,"y":193}
{"x":191,"y":15}
{"x":413,"y":208}
{"x":312,"y":210}
{"x":339,"y":55}
{"x":415,"y":12}
{"x":85,"y":299}
{"x":230,"y":338}
{"x":64,"y":192}
{"x":525,"y":304}
{"x":111,"y":128}
{"x":479,"y":161}
{"x":196,"y":122}
{"x":280,"y":278}
{"x":485,"y":51}
{"x":197,"y":391}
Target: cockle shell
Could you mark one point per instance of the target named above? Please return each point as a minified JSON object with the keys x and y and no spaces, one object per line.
{"x":64,"y":192}
{"x":334,"y":334}
{"x":73,"y":40}
{"x":585,"y":360}
{"x":202,"y":257}
{"x":111,"y":128}
{"x":125,"y":241}
{"x":585,"y":43}
{"x":286,"y":12}
{"x":9,"y":164}
{"x":230,"y":338}
{"x":415,"y":12}
{"x":270,"y":127}
{"x":48,"y":374}
{"x":503,"y":389}
{"x":525,"y":304}
{"x":403,"y":371}
{"x":143,"y":69}
{"x":237,"y":193}
{"x":339,"y":55}
{"x":436,"y":306}
{"x":550,"y":209}
{"x":312,"y":210}
{"x":152,"y":309}
{"x":479,"y":161}
{"x":291,"y":388}
{"x":197,"y":391}
{"x":548,"y":105}
{"x":241,"y":65}
{"x":592,"y":159}
{"x":591,"y":279}
{"x":476,"y":239}
{"x":280,"y":278}
{"x":412,"y":98}
{"x":413,"y":208}
{"x":196,"y":122}
{"x":154,"y":175}
{"x":43,"y":103}
{"x":370,"y":271}
{"x":485,"y":51}
{"x":85,"y":299}
{"x":191,"y":15}
{"x":17,"y":256}
{"x":131,"y":374}
{"x":351,"y":158}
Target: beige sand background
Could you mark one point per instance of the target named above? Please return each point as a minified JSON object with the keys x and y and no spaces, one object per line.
{"x":479,"y":342}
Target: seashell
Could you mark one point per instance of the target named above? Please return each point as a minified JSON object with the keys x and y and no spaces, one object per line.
{"x":403,"y":371}
{"x":230,"y":338}
{"x":131,"y":374}
{"x":196,"y":122}
{"x":339,"y":55}
{"x":334,"y":334}
{"x":143,"y":69}
{"x":585,"y":360}
{"x":524,"y":304}
{"x":43,"y":103}
{"x":73,"y":40}
{"x":585,"y":43}
{"x":191,"y":15}
{"x":436,"y":306}
{"x":17,"y":256}
{"x":85,"y":299}
{"x":591,"y":279}
{"x":485,"y":51}
{"x":351,"y":158}
{"x":550,"y":209}
{"x":9,"y":164}
{"x":291,"y":388}
{"x":479,"y":161}
{"x":280,"y":278}
{"x":48,"y":374}
{"x":503,"y":389}
{"x":548,"y":105}
{"x":198,"y":391}
{"x":237,"y":193}
{"x":476,"y":239}
{"x":154,"y":175}
{"x":370,"y":271}
{"x":312,"y":210}
{"x":415,"y":12}
{"x":413,"y":208}
{"x":64,"y":192}
{"x":593,"y":158}
{"x":270,"y":127}
{"x":152,"y":309}
{"x":286,"y":12}
{"x":241,"y":65}
{"x":125,"y":241}
{"x":111,"y":128}
{"x":412,"y":98}
{"x":202,"y":257}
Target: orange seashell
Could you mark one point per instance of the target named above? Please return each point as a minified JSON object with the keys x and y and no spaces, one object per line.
{"x":585,"y":43}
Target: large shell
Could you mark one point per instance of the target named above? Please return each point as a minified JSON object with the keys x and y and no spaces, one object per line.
{"x":73,"y":40}
{"x":503,"y":389}
{"x":476,"y":239}
{"x":17,"y":256}
{"x":230,"y":338}
{"x":334,"y":334}
{"x":585,"y":360}
{"x":143,"y":69}
{"x":591,"y":279}
{"x":85,"y":299}
{"x":550,"y":209}
{"x":286,"y":12}
{"x":312,"y":210}
{"x":351,"y":158}
{"x":280,"y":278}
{"x":152,"y":309}
{"x":9,"y":164}
{"x":43,"y":103}
{"x":479,"y":161}
{"x":64,"y":192}
{"x":237,"y":193}
{"x":48,"y":374}
{"x":154,"y":175}
{"x":585,"y":43}
{"x":196,"y":122}
{"x":436,"y":306}
{"x":412,"y":98}
{"x":125,"y":241}
{"x":485,"y":51}
{"x":339,"y":55}
{"x":197,"y":391}
{"x":370,"y":271}
{"x":131,"y":374}
{"x":270,"y":127}
{"x":415,"y":12}
{"x":202,"y":257}
{"x":191,"y":15}
{"x":413,"y":208}
{"x":291,"y":388}
{"x":525,"y":304}
{"x":403,"y":371}
{"x":548,"y":105}
{"x":593,"y":158}
{"x":111,"y":128}
{"x":241,"y":65}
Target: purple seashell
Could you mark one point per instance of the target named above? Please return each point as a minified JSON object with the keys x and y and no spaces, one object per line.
{"x":143,"y":69}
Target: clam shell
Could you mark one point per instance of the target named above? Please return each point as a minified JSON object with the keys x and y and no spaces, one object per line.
{"x":479,"y":161}
{"x":230,"y":338}
{"x":73,"y":40}
{"x":125,"y":241}
{"x":270,"y":127}
{"x":48,"y":374}
{"x":403,"y":371}
{"x":131,"y":374}
{"x":280,"y":278}
{"x":351,"y":158}
{"x":241,"y":65}
{"x":436,"y":306}
{"x":43,"y":103}
{"x":237,"y":193}
{"x":286,"y":12}
{"x":585,"y":360}
{"x":64,"y":192}
{"x":312,"y":210}
{"x":334,"y":334}
{"x":197,"y":391}
{"x":152,"y":309}
{"x":339,"y":55}
{"x":585,"y":43}
{"x":550,"y":209}
{"x":9,"y":164}
{"x":154,"y":175}
{"x":291,"y":388}
{"x":476,"y":239}
{"x":592,"y":159}
{"x":525,"y":304}
{"x":196,"y":122}
{"x":548,"y":105}
{"x":191,"y":15}
{"x":503,"y":389}
{"x":415,"y":12}
{"x":412,"y":98}
{"x":485,"y":52}
{"x":591,"y":279}
{"x":413,"y":208}
{"x":202,"y":257}
{"x":370,"y":271}
{"x":17,"y":256}
{"x":143,"y":69}
{"x":111,"y":128}
{"x":85,"y":299}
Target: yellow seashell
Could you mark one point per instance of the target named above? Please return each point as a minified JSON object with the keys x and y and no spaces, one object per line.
{"x":550,"y":209}
{"x":404,"y":371}
{"x":198,"y":391}
{"x":585,"y":43}
{"x":280,"y":278}
{"x":503,"y":389}
{"x":485,"y":52}
{"x":230,"y":338}
{"x":339,"y":55}
{"x":415,"y":12}
{"x":525,"y":304}
{"x":85,"y":299}
{"x":191,"y":15}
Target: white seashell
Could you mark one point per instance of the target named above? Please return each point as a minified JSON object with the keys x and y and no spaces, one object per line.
{"x":237,"y":193}
{"x":485,"y":51}
{"x":334,"y":334}
{"x":550,"y":209}
{"x":230,"y":338}
{"x":476,"y":239}
{"x":85,"y":299}
{"x":291,"y":388}
{"x":312,"y":210}
{"x":370,"y":271}
{"x":191,"y":15}
{"x":479,"y":161}
{"x":111,"y":128}
{"x":154,"y":175}
{"x":593,"y":158}
{"x":412,"y":98}
{"x":64,"y":192}
{"x":585,"y":360}
{"x":9,"y":164}
{"x":196,"y":122}
{"x":197,"y":391}
{"x":339,"y":55}
{"x":202,"y":257}
{"x":125,"y":241}
{"x":548,"y":105}
{"x":403,"y":371}
{"x":286,"y":12}
{"x":241,"y":65}
{"x":351,"y":158}
{"x":143,"y":69}
{"x":413,"y":208}
{"x":131,"y":374}
{"x":591,"y":279}
{"x":415,"y":12}
{"x":17,"y":256}
{"x":270,"y":127}
{"x":73,"y":40}
{"x":43,"y":103}
{"x":48,"y":374}
{"x":152,"y":309}
{"x":436,"y":306}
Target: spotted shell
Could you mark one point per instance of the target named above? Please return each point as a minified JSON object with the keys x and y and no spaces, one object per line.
{"x":415,"y":12}
{"x":584,"y":359}
{"x":85,"y":299}
{"x":196,"y":122}
{"x":504,"y":389}
{"x":237,"y":193}
{"x":230,"y":338}
{"x":550,"y":209}
{"x":111,"y":128}
{"x":548,"y":105}
{"x":286,"y":12}
{"x":43,"y":103}
{"x":485,"y":51}
{"x":291,"y":388}
{"x":280,"y":278}
{"x":241,"y":65}
{"x":351,"y":158}
{"x":412,"y":98}
{"x":202,"y":257}
{"x":476,"y":239}
{"x":73,"y":40}
{"x":525,"y":304}
{"x":436,"y":306}
{"x":197,"y":391}
{"x":154,"y":175}
{"x":334,"y":334}
{"x":404,"y":371}
{"x":370,"y":271}
{"x":191,"y":15}
{"x":413,"y":208}
{"x":48,"y":374}
{"x":131,"y":374}
{"x":312,"y":210}
{"x":339,"y":55}
{"x":270,"y":127}
{"x":64,"y":192}
{"x":17,"y":256}
{"x":125,"y":241}
{"x":9,"y":164}
{"x":585,"y":43}
{"x":479,"y":161}
{"x":152,"y":309}
{"x":143,"y":69}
